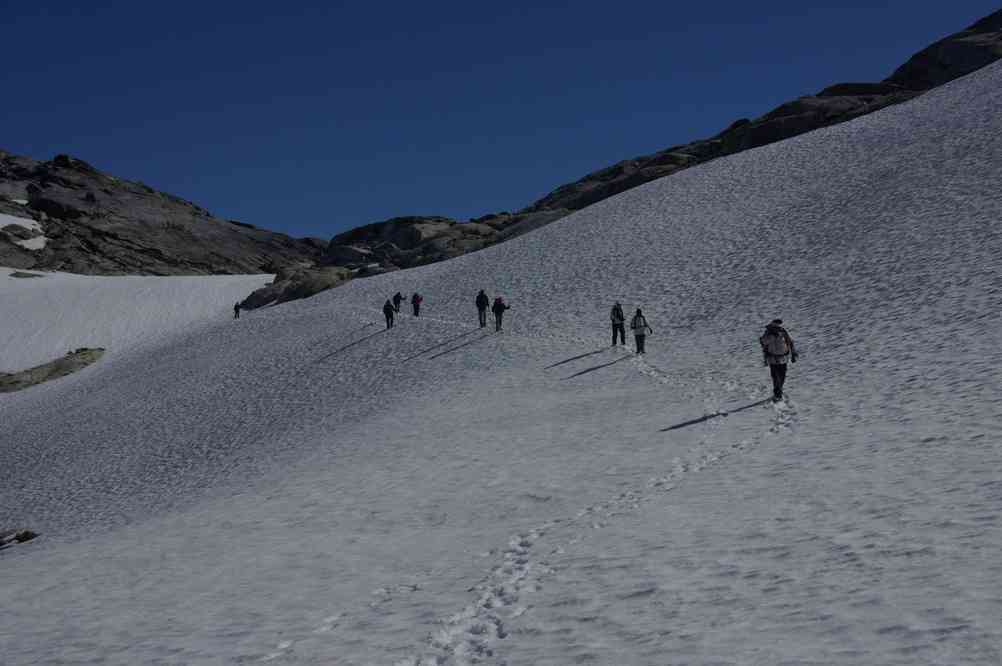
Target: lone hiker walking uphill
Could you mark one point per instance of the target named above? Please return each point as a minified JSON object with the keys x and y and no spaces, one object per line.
{"x":777,"y":349}
{"x":640,"y":329}
{"x":482,"y":303}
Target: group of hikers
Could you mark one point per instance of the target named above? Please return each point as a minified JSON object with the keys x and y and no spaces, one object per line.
{"x":497,"y":308}
{"x":638,"y":324}
{"x":392,"y":306}
{"x":777,"y":345}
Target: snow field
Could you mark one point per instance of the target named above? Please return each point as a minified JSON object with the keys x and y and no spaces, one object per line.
{"x":60,"y":311}
{"x":303,"y":487}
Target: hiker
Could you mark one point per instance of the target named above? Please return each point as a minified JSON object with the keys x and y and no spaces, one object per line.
{"x":640,"y":330}
{"x":777,"y":349}
{"x":388,"y":312}
{"x":236,"y":310}
{"x":416,"y":303}
{"x":397,"y":299}
{"x":618,"y":324}
{"x":482,"y":303}
{"x":498,"y":309}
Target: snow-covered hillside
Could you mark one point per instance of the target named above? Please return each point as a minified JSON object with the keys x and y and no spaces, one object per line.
{"x":301,"y":486}
{"x":45,"y":316}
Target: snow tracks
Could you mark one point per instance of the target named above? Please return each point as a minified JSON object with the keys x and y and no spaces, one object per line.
{"x":477,"y":633}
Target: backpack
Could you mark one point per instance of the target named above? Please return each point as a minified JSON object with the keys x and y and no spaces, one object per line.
{"x":774,"y":343}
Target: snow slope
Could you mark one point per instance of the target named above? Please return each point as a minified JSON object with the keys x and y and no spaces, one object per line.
{"x":302,"y":486}
{"x":44,"y":317}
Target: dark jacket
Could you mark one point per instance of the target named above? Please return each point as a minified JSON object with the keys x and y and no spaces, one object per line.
{"x":388,"y":309}
{"x":416,"y":299}
{"x":499,"y":306}
{"x":482,"y":301}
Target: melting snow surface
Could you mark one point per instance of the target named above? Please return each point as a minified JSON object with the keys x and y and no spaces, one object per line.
{"x":36,"y":243}
{"x":302,"y":486}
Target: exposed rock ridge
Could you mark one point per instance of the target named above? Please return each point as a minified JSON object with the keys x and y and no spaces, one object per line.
{"x":94,"y":223}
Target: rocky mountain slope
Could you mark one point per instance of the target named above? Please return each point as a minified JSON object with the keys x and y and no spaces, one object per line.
{"x":65,"y":215}
{"x":84,"y":221}
{"x":405,"y":242}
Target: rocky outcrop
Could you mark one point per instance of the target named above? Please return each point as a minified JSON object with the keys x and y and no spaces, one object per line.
{"x":10,"y":538}
{"x":953,"y":57}
{"x":293,"y":284}
{"x":404,"y":242}
{"x":94,"y":223}
{"x":67,"y":365}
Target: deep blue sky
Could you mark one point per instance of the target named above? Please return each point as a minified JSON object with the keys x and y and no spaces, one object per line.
{"x":313,"y":119}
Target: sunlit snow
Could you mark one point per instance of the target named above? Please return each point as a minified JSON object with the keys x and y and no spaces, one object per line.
{"x":302,"y":486}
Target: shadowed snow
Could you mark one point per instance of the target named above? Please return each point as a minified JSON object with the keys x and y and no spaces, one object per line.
{"x":302,"y":486}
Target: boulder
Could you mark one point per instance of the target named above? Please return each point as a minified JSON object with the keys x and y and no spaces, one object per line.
{"x":297,"y":284}
{"x":347,"y":255}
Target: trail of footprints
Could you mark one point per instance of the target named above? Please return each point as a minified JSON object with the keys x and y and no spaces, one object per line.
{"x":469,"y":636}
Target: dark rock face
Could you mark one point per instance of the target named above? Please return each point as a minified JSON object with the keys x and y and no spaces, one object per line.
{"x":404,"y":242}
{"x":297,"y":283}
{"x":953,"y":57}
{"x":101,"y":225}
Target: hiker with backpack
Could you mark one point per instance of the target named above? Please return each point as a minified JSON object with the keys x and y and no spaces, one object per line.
{"x":618,"y":324}
{"x":482,"y":303}
{"x":388,"y":313}
{"x":777,"y":349}
{"x":640,"y":329}
{"x":397,"y":299}
{"x":416,"y":303}
{"x":498,"y":309}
